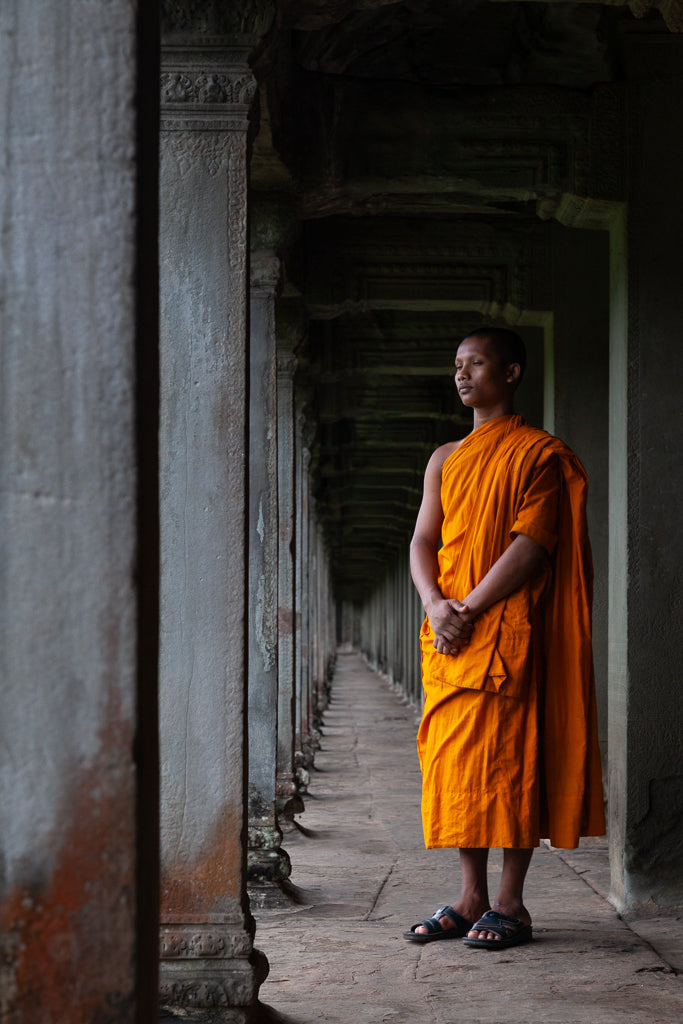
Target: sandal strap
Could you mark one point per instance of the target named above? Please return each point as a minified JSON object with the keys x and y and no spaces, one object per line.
{"x":432,"y":923}
{"x":454,"y":916}
{"x":498,"y":924}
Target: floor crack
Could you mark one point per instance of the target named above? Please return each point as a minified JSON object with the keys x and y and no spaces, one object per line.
{"x":380,"y":890}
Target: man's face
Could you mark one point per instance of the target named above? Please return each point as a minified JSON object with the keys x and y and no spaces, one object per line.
{"x":482,"y":379}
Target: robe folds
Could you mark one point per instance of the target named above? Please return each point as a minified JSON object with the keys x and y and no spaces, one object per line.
{"x":508,"y":740}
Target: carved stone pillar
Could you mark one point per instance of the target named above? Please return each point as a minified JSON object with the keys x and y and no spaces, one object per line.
{"x":289,"y":801}
{"x":267,"y":861}
{"x":207,"y":955}
{"x":316,"y":641}
{"x":306,"y":738}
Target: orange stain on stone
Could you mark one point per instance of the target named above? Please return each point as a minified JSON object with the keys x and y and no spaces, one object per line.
{"x":69,"y":935}
{"x":211,"y":881}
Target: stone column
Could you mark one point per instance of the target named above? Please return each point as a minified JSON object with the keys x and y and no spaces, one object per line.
{"x":581,"y":334}
{"x":316,"y":642}
{"x":207,"y":955}
{"x":288,"y":800}
{"x":267,"y":861}
{"x":79,"y":548}
{"x":646,"y":545}
{"x":306,"y":739}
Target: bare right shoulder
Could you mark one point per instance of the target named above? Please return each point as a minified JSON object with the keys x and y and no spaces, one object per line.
{"x":440,"y":455}
{"x":430,"y":516}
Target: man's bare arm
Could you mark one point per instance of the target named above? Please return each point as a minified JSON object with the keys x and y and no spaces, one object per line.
{"x":451,"y":631}
{"x":518,"y":564}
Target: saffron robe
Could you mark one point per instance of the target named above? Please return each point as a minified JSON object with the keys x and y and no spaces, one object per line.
{"x":508,"y":739}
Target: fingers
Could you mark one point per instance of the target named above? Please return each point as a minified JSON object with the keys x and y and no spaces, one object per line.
{"x":464,"y":616}
{"x":452,"y":629}
{"x":444,"y":645}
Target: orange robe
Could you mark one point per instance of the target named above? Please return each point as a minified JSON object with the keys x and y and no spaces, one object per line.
{"x":508,"y":740}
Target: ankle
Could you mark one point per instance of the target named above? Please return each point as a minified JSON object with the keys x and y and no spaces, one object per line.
{"x":511,"y":907}
{"x":472,"y":905}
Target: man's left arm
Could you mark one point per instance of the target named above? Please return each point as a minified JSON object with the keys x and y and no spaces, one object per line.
{"x":518,"y":564}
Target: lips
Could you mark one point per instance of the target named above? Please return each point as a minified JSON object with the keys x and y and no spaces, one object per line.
{"x":465,"y":387}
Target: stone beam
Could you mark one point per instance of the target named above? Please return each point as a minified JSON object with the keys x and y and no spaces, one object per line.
{"x":670,"y":10}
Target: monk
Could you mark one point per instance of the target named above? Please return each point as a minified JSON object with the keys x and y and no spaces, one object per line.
{"x":501,"y":560}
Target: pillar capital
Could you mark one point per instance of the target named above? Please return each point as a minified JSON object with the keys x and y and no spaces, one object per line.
{"x":265,"y":271}
{"x":206,"y":87}
{"x":286,"y":363}
{"x":290,"y":316}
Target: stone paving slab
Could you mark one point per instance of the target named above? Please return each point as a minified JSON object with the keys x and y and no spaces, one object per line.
{"x":361,"y":876}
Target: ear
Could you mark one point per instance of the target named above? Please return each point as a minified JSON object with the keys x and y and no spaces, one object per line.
{"x":513,"y":373}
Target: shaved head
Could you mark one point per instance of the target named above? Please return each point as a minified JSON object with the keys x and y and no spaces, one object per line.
{"x":507,"y":345}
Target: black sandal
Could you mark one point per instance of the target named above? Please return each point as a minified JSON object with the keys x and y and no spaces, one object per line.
{"x":512,"y":931}
{"x":435,"y":932}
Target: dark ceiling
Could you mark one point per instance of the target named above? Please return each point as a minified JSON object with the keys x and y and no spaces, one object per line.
{"x":429,"y":144}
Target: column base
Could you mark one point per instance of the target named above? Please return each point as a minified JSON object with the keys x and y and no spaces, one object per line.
{"x":208,"y":971}
{"x":266,"y":860}
{"x":288,"y":800}
{"x":304,"y":758}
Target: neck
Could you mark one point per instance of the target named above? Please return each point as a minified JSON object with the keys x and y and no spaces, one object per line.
{"x":482,"y":416}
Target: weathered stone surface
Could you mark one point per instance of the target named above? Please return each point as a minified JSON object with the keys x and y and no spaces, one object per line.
{"x":645,"y":738}
{"x":207,"y":961}
{"x":72,"y":578}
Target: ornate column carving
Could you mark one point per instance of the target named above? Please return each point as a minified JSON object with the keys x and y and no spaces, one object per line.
{"x":207,"y":954}
{"x":267,"y":862}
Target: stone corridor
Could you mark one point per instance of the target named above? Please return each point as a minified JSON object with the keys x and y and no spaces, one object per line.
{"x":361,"y":875}
{"x":240,"y":242}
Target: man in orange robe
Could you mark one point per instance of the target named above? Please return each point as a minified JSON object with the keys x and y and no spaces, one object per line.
{"x":501,"y":559}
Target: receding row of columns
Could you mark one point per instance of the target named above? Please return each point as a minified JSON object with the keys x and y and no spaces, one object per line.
{"x":386,"y":629}
{"x":77,"y":497}
{"x":245,"y":588}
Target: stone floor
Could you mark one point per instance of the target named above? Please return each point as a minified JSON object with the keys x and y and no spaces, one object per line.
{"x":361,"y":876}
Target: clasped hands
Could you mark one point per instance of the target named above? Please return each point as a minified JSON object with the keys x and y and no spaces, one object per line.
{"x":452,"y":623}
